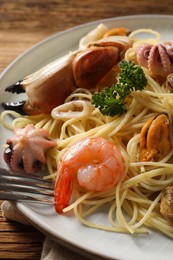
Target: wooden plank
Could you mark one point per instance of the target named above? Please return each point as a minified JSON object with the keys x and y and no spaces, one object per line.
{"x":20,"y":247}
{"x":20,"y":255}
{"x":20,"y":237}
{"x":7,"y":225}
{"x":9,"y":39}
{"x":18,"y":241}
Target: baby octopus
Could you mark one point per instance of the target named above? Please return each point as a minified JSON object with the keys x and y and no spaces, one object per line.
{"x":26,"y":149}
{"x":93,"y":163}
{"x":157,"y":58}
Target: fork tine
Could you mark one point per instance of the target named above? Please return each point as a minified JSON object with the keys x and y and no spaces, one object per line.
{"x":19,"y":178}
{"x":25,"y":188}
{"x":18,"y":187}
{"x":21,"y":197}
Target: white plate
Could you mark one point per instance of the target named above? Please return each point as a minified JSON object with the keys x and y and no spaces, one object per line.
{"x":67,"y":230}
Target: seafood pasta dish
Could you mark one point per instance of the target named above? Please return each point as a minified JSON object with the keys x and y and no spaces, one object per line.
{"x":99,"y":122}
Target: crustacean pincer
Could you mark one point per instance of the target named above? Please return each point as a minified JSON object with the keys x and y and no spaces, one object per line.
{"x":154,"y":139}
{"x":83,"y":68}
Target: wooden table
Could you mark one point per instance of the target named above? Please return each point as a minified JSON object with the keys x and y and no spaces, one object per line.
{"x":24,"y":23}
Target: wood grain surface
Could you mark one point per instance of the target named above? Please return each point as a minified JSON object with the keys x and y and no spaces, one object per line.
{"x":24,"y":23}
{"x":19,"y":241}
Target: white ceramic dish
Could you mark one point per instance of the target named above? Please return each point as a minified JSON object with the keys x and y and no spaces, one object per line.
{"x":67,"y":230}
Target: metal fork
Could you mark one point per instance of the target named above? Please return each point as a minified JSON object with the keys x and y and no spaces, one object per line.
{"x":25,"y":187}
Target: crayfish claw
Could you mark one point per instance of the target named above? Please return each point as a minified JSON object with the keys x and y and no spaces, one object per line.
{"x":15,"y":106}
{"x":16,"y":88}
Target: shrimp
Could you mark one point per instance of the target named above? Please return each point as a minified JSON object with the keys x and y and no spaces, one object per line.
{"x":94,"y":163}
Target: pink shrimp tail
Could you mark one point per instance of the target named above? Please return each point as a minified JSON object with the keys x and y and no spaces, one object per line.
{"x":62,"y":191}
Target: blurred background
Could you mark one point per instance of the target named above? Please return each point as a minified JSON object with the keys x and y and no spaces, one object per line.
{"x":26,"y":22}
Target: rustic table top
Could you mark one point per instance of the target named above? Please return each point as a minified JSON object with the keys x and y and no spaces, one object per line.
{"x":24,"y":23}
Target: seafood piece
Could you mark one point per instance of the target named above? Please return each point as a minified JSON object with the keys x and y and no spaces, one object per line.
{"x":94,"y":35}
{"x":154,"y":139}
{"x":95,"y":164}
{"x":142,"y":54}
{"x":73,"y":109}
{"x":169,"y":82}
{"x":101,"y":31}
{"x":27,"y":149}
{"x":51,"y":85}
{"x":157,"y":58}
{"x":166,"y":204}
{"x":91,"y":65}
{"x":116,"y":31}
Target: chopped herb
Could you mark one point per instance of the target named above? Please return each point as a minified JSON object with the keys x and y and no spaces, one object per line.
{"x":111,"y":100}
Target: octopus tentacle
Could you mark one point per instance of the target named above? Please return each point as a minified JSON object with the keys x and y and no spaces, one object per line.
{"x":142,"y":55}
{"x":168,"y":45}
{"x":16,"y":161}
{"x":28,"y":163}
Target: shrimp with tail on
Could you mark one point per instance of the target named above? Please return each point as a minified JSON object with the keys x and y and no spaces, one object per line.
{"x":94,"y":163}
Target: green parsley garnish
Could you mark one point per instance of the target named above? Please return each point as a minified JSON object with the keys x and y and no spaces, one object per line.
{"x":111,"y":100}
